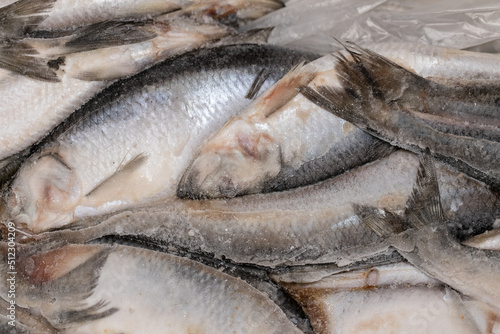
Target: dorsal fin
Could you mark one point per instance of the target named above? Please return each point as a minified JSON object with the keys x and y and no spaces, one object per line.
{"x":424,"y":205}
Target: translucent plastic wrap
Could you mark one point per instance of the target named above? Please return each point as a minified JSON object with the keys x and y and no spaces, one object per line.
{"x":457,"y":24}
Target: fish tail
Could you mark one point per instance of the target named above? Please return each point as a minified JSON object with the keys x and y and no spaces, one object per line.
{"x":18,"y":57}
{"x":21,"y":17}
{"x":366,"y":78}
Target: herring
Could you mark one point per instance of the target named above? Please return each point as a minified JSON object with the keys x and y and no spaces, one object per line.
{"x":376,"y":300}
{"x":282,"y":140}
{"x":102,"y":288}
{"x":81,"y":75}
{"x":308,"y":225}
{"x":67,"y":13}
{"x":140,"y":134}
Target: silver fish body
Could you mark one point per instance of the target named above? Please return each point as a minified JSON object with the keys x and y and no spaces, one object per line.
{"x":314,"y":224}
{"x":140,"y":134}
{"x":376,"y":300}
{"x":49,"y":103}
{"x":70,"y":13}
{"x":98,"y":289}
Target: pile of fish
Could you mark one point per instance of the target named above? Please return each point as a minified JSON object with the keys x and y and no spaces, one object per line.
{"x":170,"y":167}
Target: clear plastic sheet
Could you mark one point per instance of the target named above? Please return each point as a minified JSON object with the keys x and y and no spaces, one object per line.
{"x":457,"y":24}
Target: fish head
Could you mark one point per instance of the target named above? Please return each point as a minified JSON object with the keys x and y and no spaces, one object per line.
{"x":43,"y":194}
{"x":237,"y":161}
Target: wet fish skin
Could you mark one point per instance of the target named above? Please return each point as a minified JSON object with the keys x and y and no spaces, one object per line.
{"x":389,"y":108}
{"x":165,"y":291}
{"x":155,"y":152}
{"x":309,"y":225}
{"x":428,"y":245}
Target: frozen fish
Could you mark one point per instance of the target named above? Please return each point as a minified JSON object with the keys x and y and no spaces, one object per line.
{"x":307,"y":225}
{"x":45,"y":104}
{"x":120,"y":289}
{"x":395,"y":298}
{"x":18,"y":19}
{"x":68,"y":13}
{"x":291,"y":142}
{"x":140,"y":134}
{"x":487,"y":240}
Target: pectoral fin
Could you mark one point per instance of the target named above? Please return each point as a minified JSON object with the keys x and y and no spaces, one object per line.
{"x":118,"y":180}
{"x":67,"y":276}
{"x":257,"y":84}
{"x":382,"y":222}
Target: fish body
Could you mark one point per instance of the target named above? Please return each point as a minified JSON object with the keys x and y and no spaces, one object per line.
{"x":436,"y":62}
{"x":84,"y":74}
{"x":307,"y":225}
{"x":292,"y":142}
{"x":140,"y":133}
{"x":280,"y":141}
{"x":376,"y":300}
{"x":487,"y":240}
{"x":98,"y":289}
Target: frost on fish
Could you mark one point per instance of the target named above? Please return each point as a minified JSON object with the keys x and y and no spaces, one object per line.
{"x":424,"y":240}
{"x":458,"y":123}
{"x":307,"y":225}
{"x":158,"y":117}
{"x":387,"y":299}
{"x":97,"y":289}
